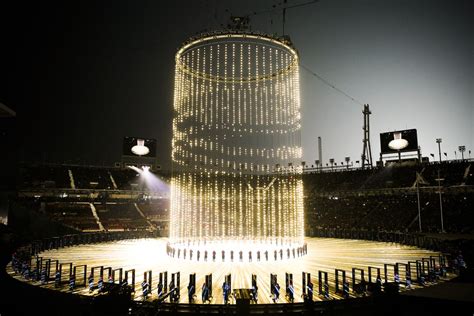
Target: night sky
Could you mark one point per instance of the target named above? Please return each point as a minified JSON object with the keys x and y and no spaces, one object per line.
{"x":83,"y":75}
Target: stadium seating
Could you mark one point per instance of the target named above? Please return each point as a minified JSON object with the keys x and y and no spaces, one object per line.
{"x":74,"y":215}
{"x":382,"y":199}
{"x":123,"y":216}
{"x":43,"y":176}
{"x":91,"y":178}
{"x":367,"y":199}
{"x":392,"y":176}
{"x":157,"y":212}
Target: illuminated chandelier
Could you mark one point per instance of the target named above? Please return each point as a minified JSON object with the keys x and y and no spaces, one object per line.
{"x":237,"y":119}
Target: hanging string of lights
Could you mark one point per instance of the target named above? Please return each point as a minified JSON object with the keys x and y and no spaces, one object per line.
{"x":236,"y":127}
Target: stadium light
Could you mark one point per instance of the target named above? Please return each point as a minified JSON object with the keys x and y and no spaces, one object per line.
{"x":151,"y":181}
{"x":139,"y":171}
{"x":438,"y":141}
{"x":462,"y":149}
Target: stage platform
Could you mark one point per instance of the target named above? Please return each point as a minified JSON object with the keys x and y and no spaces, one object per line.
{"x":324,"y":254}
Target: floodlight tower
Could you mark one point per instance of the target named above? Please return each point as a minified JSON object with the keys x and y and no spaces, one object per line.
{"x":320,"y":150}
{"x":366,"y":151}
{"x":438,"y":141}
{"x":462,"y":149}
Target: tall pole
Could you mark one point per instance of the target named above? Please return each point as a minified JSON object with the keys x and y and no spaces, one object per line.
{"x":462,"y":149}
{"x":320,"y":150}
{"x":366,"y":156}
{"x":439,"y":140}
{"x":418,"y":199}
{"x":440,"y":203}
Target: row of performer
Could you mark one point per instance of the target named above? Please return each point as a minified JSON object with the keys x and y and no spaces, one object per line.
{"x":205,"y":255}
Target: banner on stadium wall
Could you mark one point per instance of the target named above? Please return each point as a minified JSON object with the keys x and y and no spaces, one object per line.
{"x":398,"y":141}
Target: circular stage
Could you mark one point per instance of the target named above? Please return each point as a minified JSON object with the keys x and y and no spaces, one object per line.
{"x":324,"y":254}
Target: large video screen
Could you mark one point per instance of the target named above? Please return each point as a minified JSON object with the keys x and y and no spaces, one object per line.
{"x":139,"y":147}
{"x":393,"y":142}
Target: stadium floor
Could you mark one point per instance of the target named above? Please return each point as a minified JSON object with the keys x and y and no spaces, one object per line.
{"x":324,"y":254}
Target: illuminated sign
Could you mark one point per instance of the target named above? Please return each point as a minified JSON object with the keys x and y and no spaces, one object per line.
{"x":398,"y":141}
{"x":139,"y":146}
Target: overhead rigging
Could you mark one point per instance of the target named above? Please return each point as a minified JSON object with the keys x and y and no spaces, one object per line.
{"x":329,"y":84}
{"x":283,"y":7}
{"x":243,"y":23}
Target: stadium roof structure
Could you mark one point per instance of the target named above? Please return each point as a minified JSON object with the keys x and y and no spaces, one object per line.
{"x":5,"y":111}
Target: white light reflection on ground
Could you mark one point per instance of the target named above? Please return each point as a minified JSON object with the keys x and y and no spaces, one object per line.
{"x":323,"y":254}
